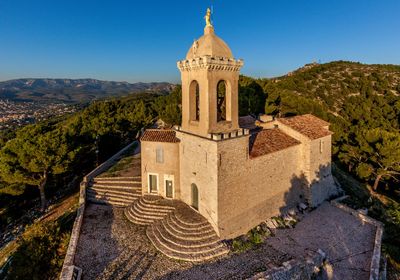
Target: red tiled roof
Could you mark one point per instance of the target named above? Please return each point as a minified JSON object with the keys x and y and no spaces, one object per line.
{"x":308,"y":125}
{"x":159,"y":135}
{"x":269,"y":141}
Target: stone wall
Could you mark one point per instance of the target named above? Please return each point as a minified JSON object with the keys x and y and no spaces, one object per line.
{"x":322,"y":185}
{"x":316,"y":163}
{"x":251,"y":190}
{"x":168,"y":169}
{"x":198,"y":165}
{"x":69,"y":271}
{"x":295,"y":269}
{"x":238,"y":192}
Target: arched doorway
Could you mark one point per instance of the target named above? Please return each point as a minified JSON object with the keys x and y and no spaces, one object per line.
{"x":195,"y":197}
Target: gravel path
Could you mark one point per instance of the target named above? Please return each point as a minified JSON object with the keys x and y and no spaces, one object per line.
{"x":110,"y":247}
{"x":347,"y":241}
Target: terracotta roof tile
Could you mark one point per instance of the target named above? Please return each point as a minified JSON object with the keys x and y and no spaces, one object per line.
{"x":308,"y":125}
{"x":269,"y":141}
{"x":159,"y":135}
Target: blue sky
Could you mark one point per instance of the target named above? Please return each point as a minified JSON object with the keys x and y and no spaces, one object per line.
{"x":142,"y":40}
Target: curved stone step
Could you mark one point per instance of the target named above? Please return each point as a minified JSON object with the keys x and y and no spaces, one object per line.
{"x":192,"y":255}
{"x":151,"y":199}
{"x":146,"y":211}
{"x":196,"y":243}
{"x":151,"y":206}
{"x":186,"y":234}
{"x":143,"y":212}
{"x":205,"y":225}
{"x":134,"y":219}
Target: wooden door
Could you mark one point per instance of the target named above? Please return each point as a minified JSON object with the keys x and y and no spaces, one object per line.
{"x":169,"y":189}
{"x":195,"y":197}
{"x":153,"y":183}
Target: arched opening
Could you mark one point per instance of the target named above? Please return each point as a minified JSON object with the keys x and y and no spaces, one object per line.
{"x":194,"y":99}
{"x":221,"y":101}
{"x":195,"y":197}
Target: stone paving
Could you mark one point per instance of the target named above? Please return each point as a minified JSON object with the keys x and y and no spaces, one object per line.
{"x":110,"y":247}
{"x":347,"y":241}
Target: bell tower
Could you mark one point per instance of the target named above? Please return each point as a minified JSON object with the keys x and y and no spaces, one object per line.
{"x":210,"y":77}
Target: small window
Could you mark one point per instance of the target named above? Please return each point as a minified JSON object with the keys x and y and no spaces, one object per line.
{"x":321,"y":145}
{"x":160,"y":155}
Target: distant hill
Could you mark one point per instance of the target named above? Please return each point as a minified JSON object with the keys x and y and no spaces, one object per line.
{"x":332,"y":85}
{"x":73,"y":90}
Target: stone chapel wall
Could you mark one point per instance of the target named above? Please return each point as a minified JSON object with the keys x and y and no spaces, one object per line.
{"x":254,"y":189}
{"x":198,"y":165}
{"x":164,"y":170}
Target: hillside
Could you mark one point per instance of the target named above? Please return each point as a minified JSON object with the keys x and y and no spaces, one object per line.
{"x":72,"y":90}
{"x":334,"y":84}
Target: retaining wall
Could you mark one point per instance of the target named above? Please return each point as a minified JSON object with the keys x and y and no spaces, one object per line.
{"x":295,"y":269}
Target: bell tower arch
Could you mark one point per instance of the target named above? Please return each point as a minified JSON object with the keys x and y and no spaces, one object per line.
{"x":210,"y":77}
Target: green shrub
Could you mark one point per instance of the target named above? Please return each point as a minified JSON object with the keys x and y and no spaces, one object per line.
{"x":255,"y":237}
{"x":41,"y":252}
{"x":239,"y":245}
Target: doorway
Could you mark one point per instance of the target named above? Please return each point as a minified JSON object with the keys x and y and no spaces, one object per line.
{"x":153,"y":183}
{"x":169,"y":189}
{"x":195,"y":197}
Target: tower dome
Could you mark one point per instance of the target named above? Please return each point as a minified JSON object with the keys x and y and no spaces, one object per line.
{"x":209,"y":45}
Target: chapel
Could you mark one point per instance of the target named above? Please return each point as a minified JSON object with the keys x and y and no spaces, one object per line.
{"x":234,"y":171}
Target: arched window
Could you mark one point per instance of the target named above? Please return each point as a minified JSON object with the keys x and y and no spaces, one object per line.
{"x":221,"y":101}
{"x":194,"y":99}
{"x":195,"y":197}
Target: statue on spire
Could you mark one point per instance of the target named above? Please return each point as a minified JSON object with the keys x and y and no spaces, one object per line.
{"x":207,"y":17}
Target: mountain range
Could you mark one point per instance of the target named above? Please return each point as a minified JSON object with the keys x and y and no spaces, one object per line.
{"x":73,"y":90}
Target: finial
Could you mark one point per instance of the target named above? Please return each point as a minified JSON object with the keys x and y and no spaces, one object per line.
{"x":207,"y":17}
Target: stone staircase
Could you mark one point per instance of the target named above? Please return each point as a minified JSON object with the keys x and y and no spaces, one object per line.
{"x":175,"y":229}
{"x":148,"y":209}
{"x":186,"y":235}
{"x":117,"y":191}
